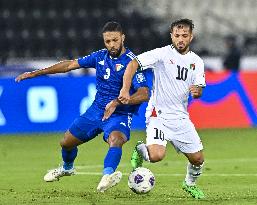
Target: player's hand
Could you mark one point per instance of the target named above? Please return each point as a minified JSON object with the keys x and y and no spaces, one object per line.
{"x":110,"y":108}
{"x":196,"y":91}
{"x":24,"y":76}
{"x":124,"y":96}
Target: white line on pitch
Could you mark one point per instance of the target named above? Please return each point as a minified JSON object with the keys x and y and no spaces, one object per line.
{"x":211,"y":161}
{"x":97,"y":166}
{"x":175,"y":175}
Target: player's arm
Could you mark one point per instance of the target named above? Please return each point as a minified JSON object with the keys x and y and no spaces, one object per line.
{"x":144,"y":61}
{"x":141,"y":95}
{"x":61,"y":67}
{"x":130,"y":71}
{"x":198,"y":80}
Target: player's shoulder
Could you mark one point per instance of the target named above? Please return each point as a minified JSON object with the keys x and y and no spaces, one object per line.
{"x":97,"y":53}
{"x":159,"y":51}
{"x":196,"y":57}
{"x":163,"y":49}
{"x":101,"y":52}
{"x":130,"y":54}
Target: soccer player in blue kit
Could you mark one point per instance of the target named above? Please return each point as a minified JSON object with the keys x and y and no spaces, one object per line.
{"x":107,"y":114}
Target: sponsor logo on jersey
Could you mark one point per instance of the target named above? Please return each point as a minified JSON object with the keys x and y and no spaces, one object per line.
{"x":140,"y":77}
{"x":101,"y":62}
{"x":172,"y":61}
{"x":192,"y":66}
{"x":118,"y":67}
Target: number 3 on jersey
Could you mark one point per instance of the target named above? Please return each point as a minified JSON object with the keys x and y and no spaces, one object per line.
{"x":108,"y":73}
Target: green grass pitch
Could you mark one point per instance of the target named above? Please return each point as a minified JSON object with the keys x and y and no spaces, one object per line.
{"x":230,"y":174}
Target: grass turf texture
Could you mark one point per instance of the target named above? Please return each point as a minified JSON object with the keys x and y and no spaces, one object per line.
{"x":229,"y":177}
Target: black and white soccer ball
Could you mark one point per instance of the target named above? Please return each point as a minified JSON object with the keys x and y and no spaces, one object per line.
{"x":141,"y":180}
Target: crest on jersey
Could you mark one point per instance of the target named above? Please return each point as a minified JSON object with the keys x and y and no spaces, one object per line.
{"x":192,"y":66}
{"x":140,"y":77}
{"x":118,"y":67}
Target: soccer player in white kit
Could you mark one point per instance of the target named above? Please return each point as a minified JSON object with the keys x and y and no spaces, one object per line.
{"x":178,"y":72}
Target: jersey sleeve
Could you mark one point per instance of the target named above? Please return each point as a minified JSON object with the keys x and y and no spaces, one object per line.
{"x":88,"y":61}
{"x":199,"y":76}
{"x":149,"y":59}
{"x":139,"y":80}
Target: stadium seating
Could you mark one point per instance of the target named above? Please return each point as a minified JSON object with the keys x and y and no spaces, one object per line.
{"x":64,"y":28}
{"x":214,"y":20}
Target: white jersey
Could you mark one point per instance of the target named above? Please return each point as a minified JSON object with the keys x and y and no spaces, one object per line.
{"x":174,"y":73}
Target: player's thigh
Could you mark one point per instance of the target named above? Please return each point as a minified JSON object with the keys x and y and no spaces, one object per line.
{"x":117,"y":126}
{"x":156,"y":132}
{"x":85,"y":129}
{"x":155,"y":139}
{"x":186,"y":138}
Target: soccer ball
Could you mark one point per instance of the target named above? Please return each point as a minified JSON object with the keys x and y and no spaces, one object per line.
{"x":141,"y":180}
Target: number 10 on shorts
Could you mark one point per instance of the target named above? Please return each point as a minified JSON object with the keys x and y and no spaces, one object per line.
{"x":159,"y":134}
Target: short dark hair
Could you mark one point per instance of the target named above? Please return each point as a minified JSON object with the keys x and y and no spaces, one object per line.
{"x":112,"y":26}
{"x":182,"y":22}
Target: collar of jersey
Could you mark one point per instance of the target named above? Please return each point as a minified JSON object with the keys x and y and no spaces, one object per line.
{"x":173,"y":48}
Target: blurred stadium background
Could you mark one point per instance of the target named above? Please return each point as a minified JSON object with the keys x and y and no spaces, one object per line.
{"x":35,"y":34}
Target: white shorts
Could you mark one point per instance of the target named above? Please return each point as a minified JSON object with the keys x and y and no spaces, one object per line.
{"x":181,"y":133}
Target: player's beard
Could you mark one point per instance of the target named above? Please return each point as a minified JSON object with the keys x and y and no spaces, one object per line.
{"x":181,"y":50}
{"x":115,"y":52}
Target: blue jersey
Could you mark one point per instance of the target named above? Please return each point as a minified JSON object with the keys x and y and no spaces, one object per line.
{"x":109,"y":78}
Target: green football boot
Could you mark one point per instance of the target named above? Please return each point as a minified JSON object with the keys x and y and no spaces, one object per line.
{"x":194,"y":191}
{"x":136,"y":158}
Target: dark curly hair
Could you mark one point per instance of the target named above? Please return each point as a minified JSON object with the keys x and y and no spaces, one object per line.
{"x":181,"y":23}
{"x":112,"y":26}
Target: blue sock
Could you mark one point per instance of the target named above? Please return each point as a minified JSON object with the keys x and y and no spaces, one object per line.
{"x":68,"y":157}
{"x":112,"y":160}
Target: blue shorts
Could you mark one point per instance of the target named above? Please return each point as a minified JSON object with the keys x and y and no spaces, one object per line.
{"x":90,"y":124}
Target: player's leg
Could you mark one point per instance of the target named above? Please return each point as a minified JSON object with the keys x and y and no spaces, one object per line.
{"x":81,"y":130}
{"x":194,"y":171}
{"x":69,"y":152}
{"x":117,"y":133}
{"x":155,"y":148}
{"x":111,"y":177}
{"x":112,"y":159}
{"x":194,"y":167}
{"x":69,"y":149}
{"x":187,"y":141}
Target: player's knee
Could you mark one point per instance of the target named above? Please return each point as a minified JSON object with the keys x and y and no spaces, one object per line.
{"x":156,"y":156}
{"x":65,"y":143}
{"x":197,"y":161}
{"x":116,"y":140}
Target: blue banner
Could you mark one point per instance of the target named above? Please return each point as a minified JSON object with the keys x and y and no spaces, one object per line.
{"x":48,"y":104}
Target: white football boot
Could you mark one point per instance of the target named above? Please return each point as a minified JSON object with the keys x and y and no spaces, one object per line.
{"x":109,"y":181}
{"x":55,"y":174}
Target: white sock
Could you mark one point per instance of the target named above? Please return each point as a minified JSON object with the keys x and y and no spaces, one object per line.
{"x":142,"y":149}
{"x":193,"y":172}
